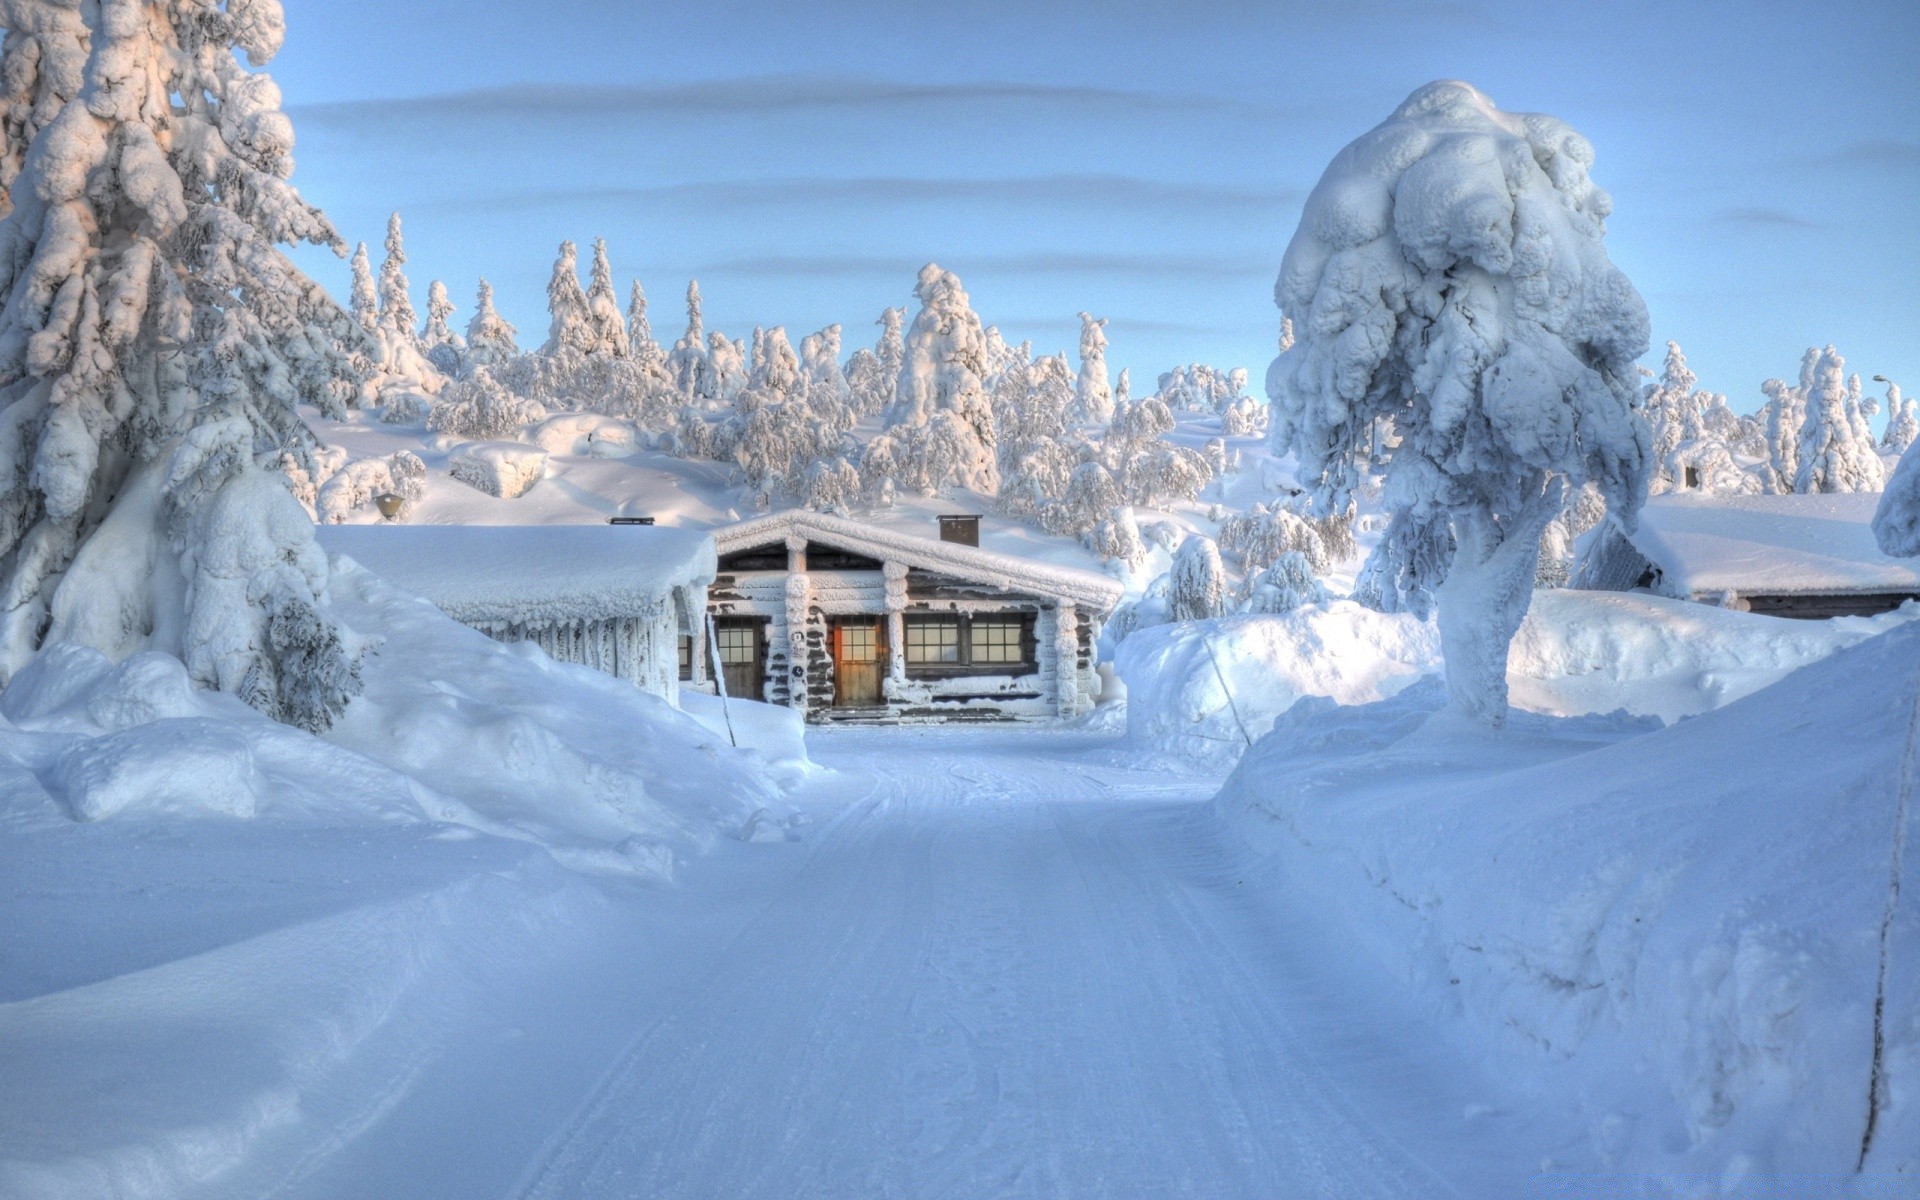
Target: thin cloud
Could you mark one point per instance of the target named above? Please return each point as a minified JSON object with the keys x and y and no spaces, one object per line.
{"x":1884,"y":152}
{"x":1764,"y":218}
{"x":765,"y":95}
{"x":1045,"y":190}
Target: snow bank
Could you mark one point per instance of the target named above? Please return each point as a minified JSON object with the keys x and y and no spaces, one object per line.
{"x":1685,"y":927}
{"x":503,"y":469}
{"x":588,"y":434}
{"x":1773,"y":545}
{"x":1204,"y":689}
{"x":770,"y":732}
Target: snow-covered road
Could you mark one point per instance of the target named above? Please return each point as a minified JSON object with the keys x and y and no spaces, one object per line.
{"x":1007,"y":970}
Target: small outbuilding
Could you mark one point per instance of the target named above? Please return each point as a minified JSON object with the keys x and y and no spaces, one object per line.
{"x":1811,"y":556}
{"x":618,"y":598}
{"x":847,"y":621}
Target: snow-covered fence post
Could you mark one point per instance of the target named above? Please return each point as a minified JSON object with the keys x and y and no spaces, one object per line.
{"x":1449,"y":274}
{"x":895,"y":575}
{"x":1066,"y":659}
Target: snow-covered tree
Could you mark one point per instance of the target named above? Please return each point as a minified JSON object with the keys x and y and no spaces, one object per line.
{"x":607,"y":330}
{"x":687,"y":362}
{"x":1089,"y":497}
{"x":940,"y":411}
{"x":1449,"y":273}
{"x":1665,"y":404}
{"x":439,"y":308}
{"x":365,"y":302}
{"x":479,"y":406}
{"x":724,"y":370}
{"x":1903,"y":419}
{"x":42,"y":65}
{"x":570,"y":326}
{"x":640,"y":344}
{"x":154,"y":344}
{"x":396,"y":303}
{"x":490,"y":339}
{"x":1262,"y":535}
{"x":1836,"y":453}
{"x":820,"y":362}
{"x":1896,"y":522}
{"x":1286,"y":585}
{"x":1092,"y":394}
{"x":1116,"y":538}
{"x":1197,"y":584}
{"x":1786,"y":411}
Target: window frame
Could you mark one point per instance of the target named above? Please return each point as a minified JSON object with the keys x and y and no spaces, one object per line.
{"x":965,"y":665}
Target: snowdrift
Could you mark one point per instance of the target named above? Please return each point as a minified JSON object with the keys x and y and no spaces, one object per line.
{"x":1687,"y":926}
{"x":1206,"y":689}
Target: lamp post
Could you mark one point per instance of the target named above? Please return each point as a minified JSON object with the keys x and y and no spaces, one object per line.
{"x":389,"y":504}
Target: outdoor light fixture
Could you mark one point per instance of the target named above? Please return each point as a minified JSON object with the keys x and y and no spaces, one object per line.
{"x":389,"y":504}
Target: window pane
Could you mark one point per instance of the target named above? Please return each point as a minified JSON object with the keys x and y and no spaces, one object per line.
{"x":996,"y":640}
{"x":859,"y":643}
{"x":737,"y":644}
{"x":686,"y":657}
{"x":932,"y":641}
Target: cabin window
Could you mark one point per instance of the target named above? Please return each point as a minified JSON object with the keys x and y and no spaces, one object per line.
{"x":738,"y":643}
{"x":933,"y":641}
{"x":686,"y":656}
{"x":970,"y":644}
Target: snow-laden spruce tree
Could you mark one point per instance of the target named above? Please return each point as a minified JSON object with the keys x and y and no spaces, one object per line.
{"x":940,"y":412}
{"x":154,"y":344}
{"x":1665,"y":403}
{"x":1197,"y":583}
{"x":606,"y":327}
{"x":1092,"y":393}
{"x":364,"y":297}
{"x":1449,"y":273}
{"x":1903,"y":419}
{"x":446,"y":349}
{"x":490,"y":339}
{"x":1836,"y":451}
{"x":640,"y":344}
{"x":396,"y":300}
{"x":687,"y":362}
{"x":820,"y":362}
{"x":42,"y":64}
{"x":1786,"y":411}
{"x":570,"y":326}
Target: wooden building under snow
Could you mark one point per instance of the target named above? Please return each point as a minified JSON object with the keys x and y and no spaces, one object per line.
{"x":623,"y":599}
{"x":849,"y":622}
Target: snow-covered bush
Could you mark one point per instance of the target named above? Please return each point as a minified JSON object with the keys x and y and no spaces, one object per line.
{"x":1116,"y":538}
{"x":154,"y":345}
{"x":1449,"y":273}
{"x":503,"y":469}
{"x":1836,"y":452}
{"x":589,"y":434}
{"x":1197,"y":583}
{"x":1286,"y":585}
{"x":1260,"y":536}
{"x":354,"y":486}
{"x":1896,"y":522}
{"x":480,"y":407}
{"x":1089,"y":497}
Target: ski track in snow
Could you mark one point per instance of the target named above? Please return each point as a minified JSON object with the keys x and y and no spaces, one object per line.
{"x":1004,"y":972}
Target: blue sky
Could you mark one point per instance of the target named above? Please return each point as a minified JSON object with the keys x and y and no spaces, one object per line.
{"x":1145,"y":161}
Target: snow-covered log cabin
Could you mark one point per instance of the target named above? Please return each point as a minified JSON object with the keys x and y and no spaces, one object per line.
{"x":617,"y":598}
{"x":846,"y":621}
{"x":1809,"y":556}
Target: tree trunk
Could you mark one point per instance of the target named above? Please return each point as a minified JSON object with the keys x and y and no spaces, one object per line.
{"x":1484,"y":598}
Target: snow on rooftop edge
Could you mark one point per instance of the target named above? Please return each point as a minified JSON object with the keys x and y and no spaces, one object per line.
{"x":1773,"y":545}
{"x":1082,"y":587}
{"x":531,"y":574}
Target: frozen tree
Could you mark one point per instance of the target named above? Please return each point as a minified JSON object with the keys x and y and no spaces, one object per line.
{"x":396,"y":304}
{"x":1449,"y":273}
{"x":571,"y":326}
{"x":724,"y":370}
{"x":1197,"y":584}
{"x":365,"y":302}
{"x":1786,"y":413}
{"x":607,"y":331}
{"x":1836,"y":452}
{"x":687,"y":362}
{"x":41,"y":67}
{"x":1665,"y":403}
{"x":832,"y":485}
{"x":1903,"y":422}
{"x":1286,"y":585}
{"x":1261,"y":536}
{"x":640,"y":344}
{"x":1092,"y":396}
{"x":820,"y":362}
{"x":1088,"y":498}
{"x":1896,"y":522}
{"x":355,"y":486}
{"x":880,"y":470}
{"x":439,"y":308}
{"x":479,"y":406}
{"x":154,"y":345}
{"x":490,"y":339}
{"x":940,"y":411}
{"x":1116,"y":538}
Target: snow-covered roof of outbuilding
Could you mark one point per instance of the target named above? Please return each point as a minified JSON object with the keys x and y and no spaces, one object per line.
{"x":531,"y":574}
{"x":1769,"y":545}
{"x":1095,"y":592}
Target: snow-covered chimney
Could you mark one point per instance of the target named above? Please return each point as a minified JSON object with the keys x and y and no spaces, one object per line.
{"x":963,"y":530}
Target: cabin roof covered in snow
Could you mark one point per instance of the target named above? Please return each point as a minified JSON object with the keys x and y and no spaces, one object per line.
{"x":531,"y":574}
{"x":1769,"y":545}
{"x":1088,"y":589}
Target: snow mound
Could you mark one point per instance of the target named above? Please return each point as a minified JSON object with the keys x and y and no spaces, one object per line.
{"x":585,"y":434}
{"x":1205,"y":689}
{"x":503,"y":469}
{"x":1688,"y":928}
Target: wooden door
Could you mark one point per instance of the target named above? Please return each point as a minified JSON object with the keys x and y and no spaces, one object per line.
{"x":859,"y":661}
{"x":743,"y":663}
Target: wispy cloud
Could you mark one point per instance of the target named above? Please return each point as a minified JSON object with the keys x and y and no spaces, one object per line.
{"x":1132,"y":265}
{"x":1043,"y":190}
{"x":1763,"y":218}
{"x":544,"y":103}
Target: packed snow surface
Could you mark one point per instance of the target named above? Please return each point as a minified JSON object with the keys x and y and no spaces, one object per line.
{"x":1208,"y":689}
{"x":520,"y":573}
{"x":1705,"y":545}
